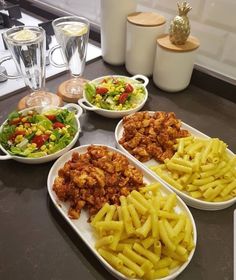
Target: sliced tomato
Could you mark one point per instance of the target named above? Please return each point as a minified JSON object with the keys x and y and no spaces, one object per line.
{"x":123,"y":97}
{"x":51,"y":117}
{"x":58,"y":125}
{"x":39,"y":140}
{"x":101,"y":90}
{"x":128,"y":88}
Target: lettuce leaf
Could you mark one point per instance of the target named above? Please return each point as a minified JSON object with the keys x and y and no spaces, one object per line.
{"x":62,"y":143}
{"x":90,"y":91}
{"x":5,"y":134}
{"x":44,"y":121}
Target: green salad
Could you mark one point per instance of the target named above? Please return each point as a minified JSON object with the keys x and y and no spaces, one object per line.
{"x":36,"y":135}
{"x":115,"y":93}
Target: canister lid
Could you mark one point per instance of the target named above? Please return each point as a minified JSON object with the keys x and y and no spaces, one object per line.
{"x":191,"y":44}
{"x":146,"y":19}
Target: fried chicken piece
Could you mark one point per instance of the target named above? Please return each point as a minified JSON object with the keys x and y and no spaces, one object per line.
{"x":140,"y":151}
{"x":134,"y":174}
{"x":167,"y":154}
{"x":134,"y":142}
{"x":151,"y":135}
{"x":91,"y":179}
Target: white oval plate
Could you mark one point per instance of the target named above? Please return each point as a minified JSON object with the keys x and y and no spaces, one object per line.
{"x":83,"y":228}
{"x":193,"y":202}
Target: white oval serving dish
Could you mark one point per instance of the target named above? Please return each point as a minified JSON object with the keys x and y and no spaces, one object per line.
{"x":83,"y":228}
{"x":193,"y":202}
{"x":84,"y":103}
{"x":51,"y":157}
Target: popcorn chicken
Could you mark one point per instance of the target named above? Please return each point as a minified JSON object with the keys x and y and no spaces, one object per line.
{"x":91,"y":179}
{"x":149,"y":136}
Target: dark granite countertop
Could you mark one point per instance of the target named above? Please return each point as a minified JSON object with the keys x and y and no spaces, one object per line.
{"x":36,"y":242}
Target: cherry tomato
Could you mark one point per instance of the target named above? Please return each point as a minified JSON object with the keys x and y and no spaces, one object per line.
{"x":101,"y":90}
{"x":128,"y":88}
{"x":58,"y":125}
{"x":51,"y":117}
{"x":123,"y":97}
{"x":39,"y":140}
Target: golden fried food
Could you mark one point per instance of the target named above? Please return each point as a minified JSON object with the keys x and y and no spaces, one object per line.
{"x":90,"y":180}
{"x":148,"y":136}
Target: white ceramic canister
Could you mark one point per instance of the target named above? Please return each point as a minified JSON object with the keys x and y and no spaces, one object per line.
{"x":143,"y":28}
{"x":113,"y":29}
{"x":173,"y":65}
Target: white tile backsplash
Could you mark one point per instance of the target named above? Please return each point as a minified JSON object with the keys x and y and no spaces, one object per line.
{"x":171,"y":6}
{"x":220,"y":13}
{"x":211,"y":39}
{"x":212,"y":21}
{"x":229,"y":54}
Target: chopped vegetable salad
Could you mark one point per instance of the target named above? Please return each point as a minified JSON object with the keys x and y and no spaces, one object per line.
{"x":113,"y":93}
{"x":36,"y":135}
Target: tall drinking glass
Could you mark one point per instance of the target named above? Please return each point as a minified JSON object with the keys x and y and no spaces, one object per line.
{"x":27,"y":47}
{"x":72,"y":34}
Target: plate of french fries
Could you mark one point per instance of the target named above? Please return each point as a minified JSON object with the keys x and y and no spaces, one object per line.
{"x":148,"y":234}
{"x":201,"y":170}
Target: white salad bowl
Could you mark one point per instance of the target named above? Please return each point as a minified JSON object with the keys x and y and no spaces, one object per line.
{"x":84,"y":103}
{"x":78,"y":113}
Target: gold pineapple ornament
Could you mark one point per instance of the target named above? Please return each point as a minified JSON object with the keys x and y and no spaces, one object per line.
{"x":180,"y":27}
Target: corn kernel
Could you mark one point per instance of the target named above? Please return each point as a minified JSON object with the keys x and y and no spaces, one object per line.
{"x":41,"y":128}
{"x":19,"y":138}
{"x":33,"y":145}
{"x":43,"y":147}
{"x":52,"y":137}
{"x":38,"y":132}
{"x":48,"y":132}
{"x":34,"y":129}
{"x":51,"y":145}
{"x":64,"y":130}
{"x":20,"y":129}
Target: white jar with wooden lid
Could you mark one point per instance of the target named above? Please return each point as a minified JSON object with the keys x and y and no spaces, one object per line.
{"x":143,"y":28}
{"x":173,"y":65}
{"x":113,"y":29}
